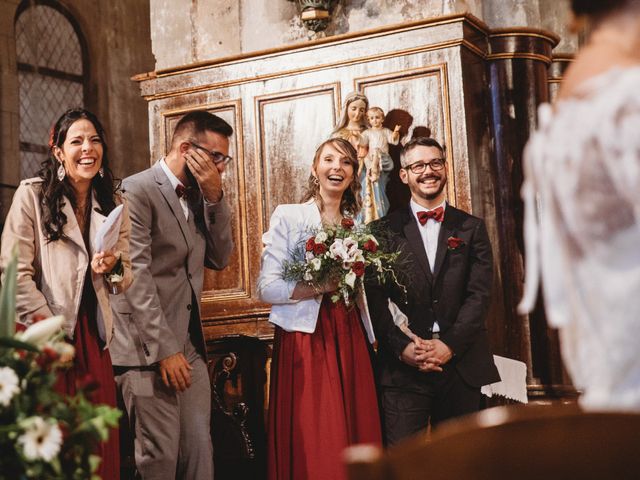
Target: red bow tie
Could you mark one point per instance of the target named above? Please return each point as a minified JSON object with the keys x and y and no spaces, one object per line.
{"x":437,"y":214}
{"x":182,"y":191}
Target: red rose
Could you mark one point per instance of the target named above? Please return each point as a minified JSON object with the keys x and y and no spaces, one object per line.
{"x":319,"y":248}
{"x":47,"y":357}
{"x":358,"y":269}
{"x":347,"y":223}
{"x":370,"y":246}
{"x":310,"y":243}
{"x":454,"y":243}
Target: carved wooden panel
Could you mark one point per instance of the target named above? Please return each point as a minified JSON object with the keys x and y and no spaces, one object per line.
{"x":290,"y":126}
{"x":232,"y":282}
{"x":419,"y":100}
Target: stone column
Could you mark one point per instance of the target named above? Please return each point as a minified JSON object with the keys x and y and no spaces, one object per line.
{"x":518,"y":65}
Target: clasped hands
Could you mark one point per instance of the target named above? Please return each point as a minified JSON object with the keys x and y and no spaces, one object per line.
{"x":426,"y":355}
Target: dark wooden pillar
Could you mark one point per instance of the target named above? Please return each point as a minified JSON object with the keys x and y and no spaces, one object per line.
{"x":518,"y":66}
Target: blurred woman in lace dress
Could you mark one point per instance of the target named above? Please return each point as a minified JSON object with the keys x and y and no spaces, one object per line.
{"x":582,"y":219}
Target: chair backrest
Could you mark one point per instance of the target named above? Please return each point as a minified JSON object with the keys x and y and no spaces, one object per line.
{"x":514,"y":442}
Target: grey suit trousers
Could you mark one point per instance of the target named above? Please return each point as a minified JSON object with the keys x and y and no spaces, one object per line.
{"x":172,"y":429}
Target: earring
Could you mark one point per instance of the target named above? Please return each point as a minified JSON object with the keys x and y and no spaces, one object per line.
{"x":101,"y":172}
{"x":316,"y":182}
{"x":61,"y":172}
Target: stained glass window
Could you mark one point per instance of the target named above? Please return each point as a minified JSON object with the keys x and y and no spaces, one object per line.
{"x":50,"y":75}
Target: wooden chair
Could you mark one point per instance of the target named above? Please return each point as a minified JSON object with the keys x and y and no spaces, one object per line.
{"x":514,"y":442}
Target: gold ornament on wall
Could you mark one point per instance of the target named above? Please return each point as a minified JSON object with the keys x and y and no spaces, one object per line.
{"x":316,"y":14}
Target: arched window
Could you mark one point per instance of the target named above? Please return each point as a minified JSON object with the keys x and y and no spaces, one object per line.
{"x":51,"y":64}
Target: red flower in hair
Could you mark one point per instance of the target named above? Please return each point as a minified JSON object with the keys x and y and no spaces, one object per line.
{"x":347,"y":223}
{"x":51,"y":139}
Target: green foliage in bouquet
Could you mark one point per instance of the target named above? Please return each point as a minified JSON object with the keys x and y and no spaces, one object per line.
{"x":341,"y":254}
{"x":43,"y":434}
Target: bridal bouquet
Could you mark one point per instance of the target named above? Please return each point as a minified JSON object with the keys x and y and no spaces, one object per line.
{"x":43,"y":435}
{"x":340,"y":254}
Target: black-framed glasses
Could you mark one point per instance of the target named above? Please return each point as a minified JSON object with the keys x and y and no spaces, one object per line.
{"x":436,"y":165}
{"x":218,"y":157}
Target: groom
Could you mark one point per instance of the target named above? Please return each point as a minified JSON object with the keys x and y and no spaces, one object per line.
{"x":433,"y":367}
{"x":180,"y":223}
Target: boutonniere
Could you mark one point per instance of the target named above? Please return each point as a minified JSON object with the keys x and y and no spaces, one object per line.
{"x":454,"y":243}
{"x":115,"y":276}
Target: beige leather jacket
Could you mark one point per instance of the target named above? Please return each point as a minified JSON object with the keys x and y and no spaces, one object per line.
{"x":51,"y":274}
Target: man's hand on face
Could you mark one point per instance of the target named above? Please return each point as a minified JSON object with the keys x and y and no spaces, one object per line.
{"x":176,"y":372}
{"x":207,"y":173}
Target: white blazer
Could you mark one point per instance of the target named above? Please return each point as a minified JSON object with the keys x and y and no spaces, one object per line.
{"x":290,"y":225}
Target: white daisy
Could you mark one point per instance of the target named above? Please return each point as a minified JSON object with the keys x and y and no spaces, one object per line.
{"x":8,"y":385}
{"x":41,"y":439}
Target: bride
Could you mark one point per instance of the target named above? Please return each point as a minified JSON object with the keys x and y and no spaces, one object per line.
{"x":582,"y":195}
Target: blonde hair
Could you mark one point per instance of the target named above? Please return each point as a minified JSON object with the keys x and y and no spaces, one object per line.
{"x":351,"y":201}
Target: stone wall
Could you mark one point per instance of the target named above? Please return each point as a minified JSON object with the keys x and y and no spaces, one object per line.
{"x":189,"y":31}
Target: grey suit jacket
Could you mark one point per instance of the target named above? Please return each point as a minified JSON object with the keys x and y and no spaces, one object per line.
{"x":168,"y":256}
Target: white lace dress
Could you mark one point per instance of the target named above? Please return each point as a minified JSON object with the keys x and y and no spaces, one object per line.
{"x":582,"y":234}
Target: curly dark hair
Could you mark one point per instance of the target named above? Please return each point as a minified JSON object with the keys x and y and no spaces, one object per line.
{"x":351,"y":202}
{"x":53,"y":191}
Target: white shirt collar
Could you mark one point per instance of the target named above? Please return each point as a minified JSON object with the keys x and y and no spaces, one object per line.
{"x":172,"y":178}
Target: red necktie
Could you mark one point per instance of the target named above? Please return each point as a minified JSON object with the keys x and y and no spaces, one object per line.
{"x":437,"y":214}
{"x":181,"y":191}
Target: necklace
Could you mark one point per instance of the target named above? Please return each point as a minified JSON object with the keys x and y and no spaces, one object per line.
{"x":327,"y":219}
{"x":81,"y":211}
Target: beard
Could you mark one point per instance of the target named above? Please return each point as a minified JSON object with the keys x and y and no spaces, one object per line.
{"x":438,"y":192}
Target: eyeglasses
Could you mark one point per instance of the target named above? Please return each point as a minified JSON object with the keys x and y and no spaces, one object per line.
{"x":436,"y":164}
{"x":217,"y":156}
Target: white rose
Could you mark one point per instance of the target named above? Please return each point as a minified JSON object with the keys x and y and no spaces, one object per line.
{"x":355,"y":254}
{"x":8,"y":385}
{"x":350,"y":244}
{"x":350,"y":278}
{"x":337,"y":250}
{"x":308,"y":256}
{"x":321,"y":237}
{"x":316,"y":263}
{"x":307,"y":277}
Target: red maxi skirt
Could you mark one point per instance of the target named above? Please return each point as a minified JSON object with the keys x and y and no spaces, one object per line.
{"x":322,"y":397}
{"x":93,"y":364}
